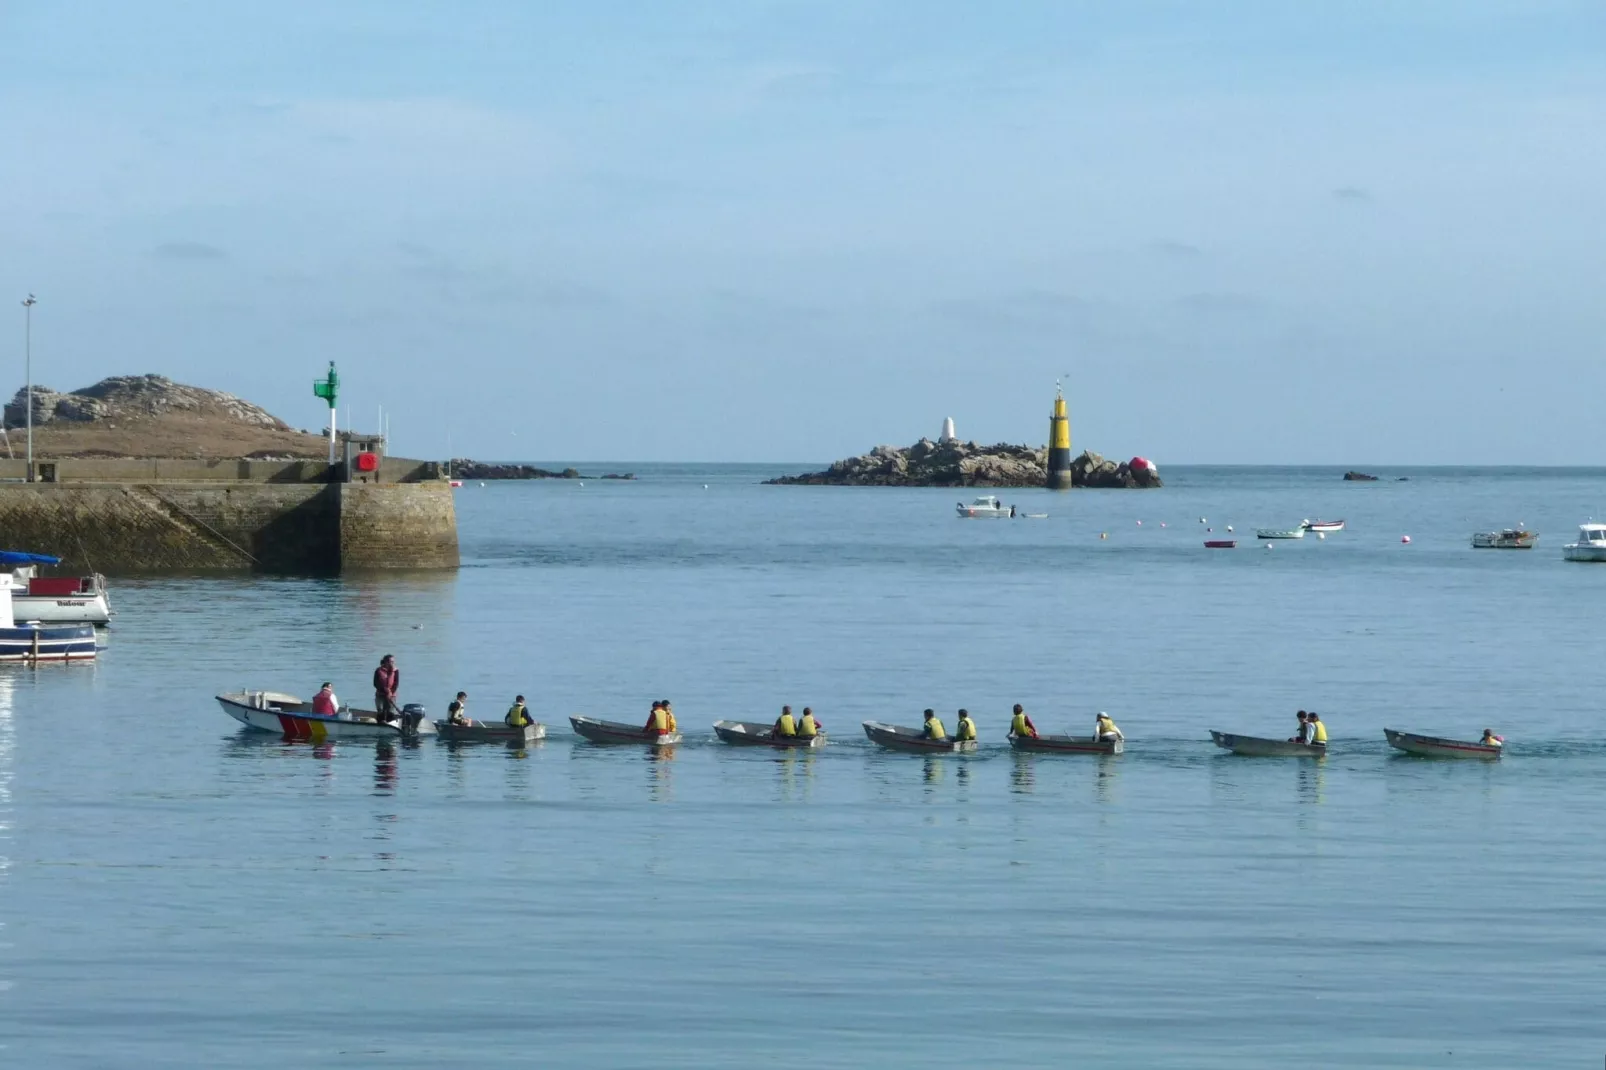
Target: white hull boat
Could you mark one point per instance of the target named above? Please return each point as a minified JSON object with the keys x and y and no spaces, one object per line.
{"x":489,"y":732}
{"x":1279,"y":533}
{"x":913,"y":740}
{"x":60,"y":600}
{"x":1435,"y":747}
{"x":1256,"y":747}
{"x":292,"y":717}
{"x":26,"y":640}
{"x":985,"y":507}
{"x":1509,"y":539}
{"x":1591,"y":544}
{"x":1325,"y":526}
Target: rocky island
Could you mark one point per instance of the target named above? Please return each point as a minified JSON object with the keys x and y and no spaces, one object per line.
{"x":463,"y":468}
{"x":951,"y":463}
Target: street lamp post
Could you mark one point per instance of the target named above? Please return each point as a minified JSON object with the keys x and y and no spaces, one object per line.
{"x":27,"y":358}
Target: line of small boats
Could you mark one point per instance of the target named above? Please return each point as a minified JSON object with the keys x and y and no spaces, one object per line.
{"x":293,"y":719}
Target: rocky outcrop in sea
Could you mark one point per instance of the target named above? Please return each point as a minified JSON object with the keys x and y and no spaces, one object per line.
{"x":967,"y":464}
{"x":463,"y":468}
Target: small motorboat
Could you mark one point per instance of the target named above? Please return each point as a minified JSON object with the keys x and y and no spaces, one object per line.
{"x":1221,"y":544}
{"x":1256,"y":747}
{"x":753,"y":734}
{"x":987,"y":506}
{"x":1067,"y":744}
{"x":599,"y":731}
{"x":1435,"y":747}
{"x":1279,"y":533}
{"x":1322,"y":525}
{"x":489,"y":732}
{"x":292,"y":717}
{"x":54,"y":599}
{"x":913,"y":740}
{"x":1591,"y":544}
{"x":1508,"y":539}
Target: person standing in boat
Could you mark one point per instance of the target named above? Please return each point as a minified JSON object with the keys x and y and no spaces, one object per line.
{"x":1318,"y":731}
{"x":387,"y":679}
{"x":1491,"y":740}
{"x":965,"y":730}
{"x":785,"y":724}
{"x":457,"y":710}
{"x":1105,"y":730}
{"x":934,"y":728}
{"x":518,"y":716}
{"x":324,"y":702}
{"x":1304,"y":733}
{"x":1021,"y":724}
{"x":807,"y":726}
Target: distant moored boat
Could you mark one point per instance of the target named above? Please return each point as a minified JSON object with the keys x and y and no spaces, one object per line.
{"x":1435,"y":747}
{"x":1508,"y":539}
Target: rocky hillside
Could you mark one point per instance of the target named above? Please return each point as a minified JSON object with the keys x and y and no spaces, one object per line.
{"x":965,"y":464}
{"x":152,"y":416}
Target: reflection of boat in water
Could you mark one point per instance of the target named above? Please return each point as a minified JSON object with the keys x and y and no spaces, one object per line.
{"x":1508,"y":539}
{"x":1435,"y":747}
{"x":274,"y":711}
{"x":1067,"y":744}
{"x":1591,"y":544}
{"x":754,"y":734}
{"x":1256,"y":747}
{"x":985,"y":506}
{"x":897,"y":737}
{"x":489,"y":732}
{"x":600,"y":731}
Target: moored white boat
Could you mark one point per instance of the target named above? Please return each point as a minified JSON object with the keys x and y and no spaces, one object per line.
{"x":1508,"y":539}
{"x":986,"y":506}
{"x":600,"y":731}
{"x":1436,"y":747}
{"x":1322,"y":525}
{"x":1067,"y":744}
{"x":897,"y":737}
{"x":756,"y":734}
{"x":489,"y":732}
{"x":292,"y":717}
{"x":30,"y":641}
{"x":54,"y":599}
{"x":1279,"y":533}
{"x":1591,"y":544}
{"x":1255,"y":746}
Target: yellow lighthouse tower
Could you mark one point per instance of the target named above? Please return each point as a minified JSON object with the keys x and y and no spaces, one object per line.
{"x":1059,"y":444}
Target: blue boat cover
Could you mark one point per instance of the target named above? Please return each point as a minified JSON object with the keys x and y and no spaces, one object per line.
{"x":17,"y":557}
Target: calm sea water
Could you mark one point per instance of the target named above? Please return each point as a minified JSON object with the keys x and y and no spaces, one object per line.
{"x":177,"y":893}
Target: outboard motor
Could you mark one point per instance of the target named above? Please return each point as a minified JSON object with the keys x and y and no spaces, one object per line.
{"x":413,"y":715}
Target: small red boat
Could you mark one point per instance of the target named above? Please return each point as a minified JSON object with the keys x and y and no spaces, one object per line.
{"x":1221,"y":544}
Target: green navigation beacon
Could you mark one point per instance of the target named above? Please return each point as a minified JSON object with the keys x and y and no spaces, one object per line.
{"x":327,"y":388}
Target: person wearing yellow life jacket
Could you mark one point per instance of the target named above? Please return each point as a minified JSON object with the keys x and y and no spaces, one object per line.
{"x":1021,"y":725}
{"x":965,"y":730}
{"x":517,"y":715}
{"x":785,"y":725}
{"x":807,"y":726}
{"x":657,"y":721}
{"x":1105,"y":730}
{"x":934,"y":728}
{"x":1318,"y":731}
{"x":669,"y":716}
{"x":1491,"y":740}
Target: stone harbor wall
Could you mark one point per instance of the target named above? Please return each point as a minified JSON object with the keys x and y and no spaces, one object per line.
{"x":305,"y":528}
{"x":966,"y":464}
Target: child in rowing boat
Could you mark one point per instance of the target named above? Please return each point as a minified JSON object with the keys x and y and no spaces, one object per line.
{"x":457,"y":710}
{"x":1304,"y":735}
{"x":1491,"y":740}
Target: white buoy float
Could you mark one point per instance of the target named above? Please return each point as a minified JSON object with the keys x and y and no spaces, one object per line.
{"x":1405,"y":538}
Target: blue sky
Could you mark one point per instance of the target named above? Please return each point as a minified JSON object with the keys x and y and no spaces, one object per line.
{"x":1249,"y":232}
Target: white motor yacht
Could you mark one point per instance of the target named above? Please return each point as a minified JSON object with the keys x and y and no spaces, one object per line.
{"x":985,"y":506}
{"x":1591,"y":544}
